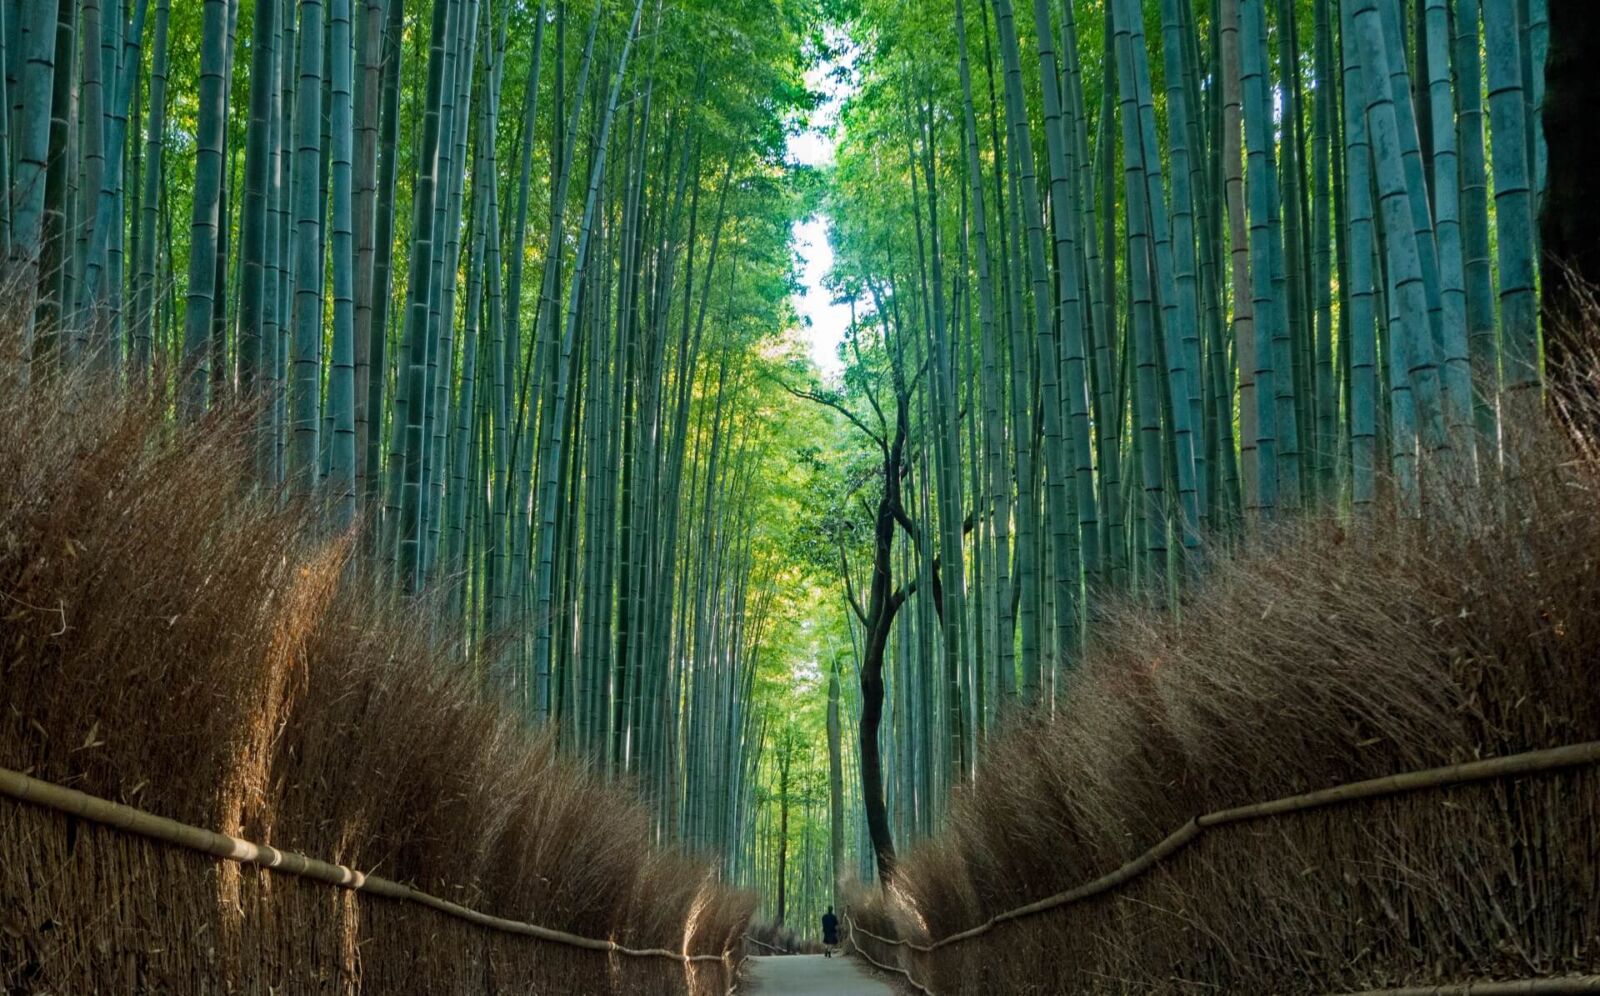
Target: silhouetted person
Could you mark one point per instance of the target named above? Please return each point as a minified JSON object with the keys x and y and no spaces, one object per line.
{"x":830,"y":932}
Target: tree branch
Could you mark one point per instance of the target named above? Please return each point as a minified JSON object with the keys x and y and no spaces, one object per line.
{"x":872,"y":399}
{"x":899,"y":598}
{"x":910,"y":527}
{"x":827,"y":402}
{"x":849,"y":586}
{"x":916,"y":378}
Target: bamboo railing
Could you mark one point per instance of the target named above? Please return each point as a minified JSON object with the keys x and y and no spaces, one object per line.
{"x":769,"y":947}
{"x":1490,"y":769}
{"x":48,"y":795}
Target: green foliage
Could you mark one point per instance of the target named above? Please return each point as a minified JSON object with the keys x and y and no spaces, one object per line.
{"x":522,"y":319}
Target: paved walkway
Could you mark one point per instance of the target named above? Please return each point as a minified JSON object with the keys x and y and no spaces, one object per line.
{"x":812,"y":975}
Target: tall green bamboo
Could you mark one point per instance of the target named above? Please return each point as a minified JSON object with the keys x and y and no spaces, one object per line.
{"x":997,"y":488}
{"x":1026,"y":206}
{"x":382,"y":269}
{"x":1513,"y":201}
{"x":1241,"y":281}
{"x":55,"y":266}
{"x":1179,"y":308}
{"x":342,"y":380}
{"x":1356,"y":268}
{"x":1325,"y":434}
{"x":1266,"y":315}
{"x":305,"y":388}
{"x":408,"y":529}
{"x":100,"y":298}
{"x":1482,"y":340}
{"x":205,"y":216}
{"x":1064,"y":382}
{"x":1414,"y":342}
{"x":365,"y":107}
{"x":150,"y":200}
{"x":552,"y":455}
{"x":1445,"y":186}
{"x":255,"y":351}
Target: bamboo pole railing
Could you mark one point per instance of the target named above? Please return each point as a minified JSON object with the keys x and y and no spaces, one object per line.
{"x":72,"y":802}
{"x":850,"y":925}
{"x":1489,"y":769}
{"x":769,"y":947}
{"x":1565,"y":986}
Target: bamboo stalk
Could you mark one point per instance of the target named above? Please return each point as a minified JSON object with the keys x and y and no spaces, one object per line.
{"x":47,"y":795}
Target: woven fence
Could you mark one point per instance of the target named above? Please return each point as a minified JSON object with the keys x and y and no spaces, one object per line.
{"x":96,"y":896}
{"x":1479,"y":878}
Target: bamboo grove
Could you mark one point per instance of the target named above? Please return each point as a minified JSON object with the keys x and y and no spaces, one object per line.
{"x":806,"y":832}
{"x":493,"y":284}
{"x":1134,"y":279}
{"x":501,"y":289}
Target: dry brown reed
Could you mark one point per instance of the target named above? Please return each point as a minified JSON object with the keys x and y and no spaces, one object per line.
{"x":1323,"y":653}
{"x":171,"y":640}
{"x":767,"y":938}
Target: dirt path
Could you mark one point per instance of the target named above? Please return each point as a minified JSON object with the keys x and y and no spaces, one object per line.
{"x":812,"y":975}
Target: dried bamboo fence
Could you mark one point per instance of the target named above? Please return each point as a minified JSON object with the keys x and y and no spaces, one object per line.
{"x":1432,"y":788}
{"x":775,"y":949}
{"x":689,"y":972}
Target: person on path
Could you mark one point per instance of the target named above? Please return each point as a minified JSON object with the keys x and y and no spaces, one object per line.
{"x":830,"y":932}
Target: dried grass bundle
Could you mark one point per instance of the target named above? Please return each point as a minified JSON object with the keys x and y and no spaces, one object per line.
{"x":1321,"y":654}
{"x":172,"y":640}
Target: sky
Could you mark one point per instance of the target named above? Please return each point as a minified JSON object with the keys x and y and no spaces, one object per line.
{"x":823,"y":323}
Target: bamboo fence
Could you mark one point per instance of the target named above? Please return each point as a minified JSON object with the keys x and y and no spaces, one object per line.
{"x":1490,"y":769}
{"x":24,"y":788}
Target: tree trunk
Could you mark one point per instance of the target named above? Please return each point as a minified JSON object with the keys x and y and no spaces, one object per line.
{"x":835,"y":786}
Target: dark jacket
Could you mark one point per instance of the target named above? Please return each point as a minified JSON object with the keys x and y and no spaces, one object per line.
{"x":830,"y":929}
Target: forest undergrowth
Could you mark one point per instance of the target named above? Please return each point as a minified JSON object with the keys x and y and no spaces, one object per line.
{"x":174,"y":641}
{"x":767,"y":938}
{"x":1326,"y":652}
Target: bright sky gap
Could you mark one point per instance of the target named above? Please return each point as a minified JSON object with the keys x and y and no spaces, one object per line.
{"x":823,"y":322}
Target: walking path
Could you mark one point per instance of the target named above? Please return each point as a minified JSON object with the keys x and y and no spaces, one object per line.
{"x":812,"y":975}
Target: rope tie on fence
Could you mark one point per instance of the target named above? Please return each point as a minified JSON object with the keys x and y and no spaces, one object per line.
{"x":1490,"y":769}
{"x":72,"y":802}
